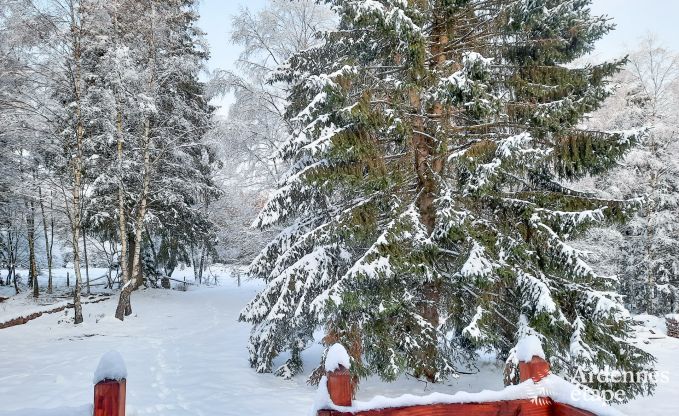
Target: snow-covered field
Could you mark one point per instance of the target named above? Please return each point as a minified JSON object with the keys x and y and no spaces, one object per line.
{"x":186,"y":355}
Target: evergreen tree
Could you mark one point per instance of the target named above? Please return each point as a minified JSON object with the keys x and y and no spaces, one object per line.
{"x":425,"y":207}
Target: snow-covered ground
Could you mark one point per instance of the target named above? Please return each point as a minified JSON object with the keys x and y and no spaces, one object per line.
{"x":665,"y":401}
{"x":186,"y":355}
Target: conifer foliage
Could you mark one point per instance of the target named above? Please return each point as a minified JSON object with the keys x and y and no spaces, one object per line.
{"x":425,"y":210}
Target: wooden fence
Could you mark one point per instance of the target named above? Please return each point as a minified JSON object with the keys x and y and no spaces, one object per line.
{"x":109,"y":399}
{"x":21,"y":320}
{"x":340,"y":391}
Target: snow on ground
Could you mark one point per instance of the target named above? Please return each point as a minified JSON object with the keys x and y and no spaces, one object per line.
{"x":186,"y":354}
{"x":665,"y":401}
{"x":184,"y":351}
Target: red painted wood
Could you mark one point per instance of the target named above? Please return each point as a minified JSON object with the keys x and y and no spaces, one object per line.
{"x":537,"y":369}
{"x":109,"y":398}
{"x":525,"y":371}
{"x":545,"y":407}
{"x":503,"y":408}
{"x":560,"y":409}
{"x":340,"y":390}
{"x":339,"y":387}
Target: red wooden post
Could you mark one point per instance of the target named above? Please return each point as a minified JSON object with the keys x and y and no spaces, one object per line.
{"x":537,"y":369}
{"x":339,"y":386}
{"x":109,"y":398}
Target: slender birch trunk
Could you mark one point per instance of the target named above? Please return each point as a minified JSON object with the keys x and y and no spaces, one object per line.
{"x":30,"y":236}
{"x":87,"y":264}
{"x":201,"y":265}
{"x":135,"y":280}
{"x":48,"y":241}
{"x":136,"y":277}
{"x":75,"y":215}
{"x":141,"y":212}
{"x":122,"y":217}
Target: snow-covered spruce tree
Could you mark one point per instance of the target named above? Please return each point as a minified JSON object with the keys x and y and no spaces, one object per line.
{"x":425,"y":206}
{"x":184,"y":185}
{"x":648,"y":255}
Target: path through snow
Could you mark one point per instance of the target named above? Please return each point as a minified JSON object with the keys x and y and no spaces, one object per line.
{"x":184,"y":351}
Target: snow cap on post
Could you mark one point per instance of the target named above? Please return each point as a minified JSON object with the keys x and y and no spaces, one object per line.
{"x":337,"y":356}
{"x":111,"y":367}
{"x":528,"y":347}
{"x":531,"y":356}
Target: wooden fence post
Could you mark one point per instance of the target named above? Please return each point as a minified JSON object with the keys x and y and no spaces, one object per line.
{"x":339,"y":386}
{"x":109,"y":398}
{"x":537,"y":369}
{"x":110,"y":382}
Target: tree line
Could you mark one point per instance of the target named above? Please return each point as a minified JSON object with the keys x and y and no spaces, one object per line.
{"x":104,"y":136}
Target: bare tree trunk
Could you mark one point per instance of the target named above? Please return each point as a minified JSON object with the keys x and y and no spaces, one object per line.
{"x":141,"y":213}
{"x":15,"y":256}
{"x":136,"y":277}
{"x":203,"y":250}
{"x":14,"y":278}
{"x":650,"y":239}
{"x":131,"y":244}
{"x":8,"y":255}
{"x":76,"y":220}
{"x":48,"y":241}
{"x":76,"y":228}
{"x":77,"y":306}
{"x":123,"y":258}
{"x":201,"y":265}
{"x":87,"y":263}
{"x":194,"y":263}
{"x":30,"y":236}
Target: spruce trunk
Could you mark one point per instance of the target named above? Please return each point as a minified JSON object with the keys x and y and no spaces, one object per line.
{"x":429,"y":164}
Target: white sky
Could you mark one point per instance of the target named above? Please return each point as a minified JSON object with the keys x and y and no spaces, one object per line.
{"x":634,"y":19}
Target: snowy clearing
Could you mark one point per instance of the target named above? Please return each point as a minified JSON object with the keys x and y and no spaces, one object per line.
{"x":193,"y":361}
